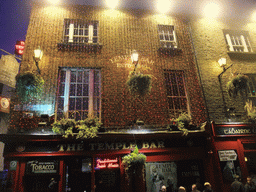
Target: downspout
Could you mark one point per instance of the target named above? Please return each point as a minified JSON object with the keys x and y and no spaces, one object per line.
{"x":223,"y":98}
{"x":199,"y":74}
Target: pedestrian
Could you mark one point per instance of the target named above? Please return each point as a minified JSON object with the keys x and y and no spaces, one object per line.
{"x":182,"y":189}
{"x":208,"y":187}
{"x":249,"y":186}
{"x":163,"y":188}
{"x":194,"y":188}
{"x":237,"y":186}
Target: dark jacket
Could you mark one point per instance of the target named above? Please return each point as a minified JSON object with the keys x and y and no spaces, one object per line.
{"x":237,"y":186}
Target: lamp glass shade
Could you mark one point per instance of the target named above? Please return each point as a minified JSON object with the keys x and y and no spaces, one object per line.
{"x":222,"y":61}
{"x":38,"y":53}
{"x":135,"y":56}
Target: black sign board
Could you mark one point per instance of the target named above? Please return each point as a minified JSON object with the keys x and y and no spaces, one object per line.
{"x":234,"y":130}
{"x":39,"y":167}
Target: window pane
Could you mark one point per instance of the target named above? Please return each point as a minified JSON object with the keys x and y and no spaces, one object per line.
{"x":60,"y":104}
{"x":96,"y":76}
{"x":95,"y":33}
{"x":96,"y":90}
{"x":175,"y":90}
{"x":79,"y":90}
{"x":86,"y":77}
{"x":182,"y":90}
{"x":85,"y":103}
{"x":62,"y":76}
{"x":72,"y":90}
{"x":75,"y":31}
{"x":79,"y":76}
{"x":73,"y":76}
{"x":95,"y":40}
{"x":78,"y":103}
{"x":72,"y":103}
{"x":61,"y":90}
{"x":85,"y":90}
{"x":81,"y":31}
{"x":86,"y":32}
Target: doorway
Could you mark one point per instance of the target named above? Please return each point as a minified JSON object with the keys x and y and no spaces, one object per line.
{"x":107,"y":180}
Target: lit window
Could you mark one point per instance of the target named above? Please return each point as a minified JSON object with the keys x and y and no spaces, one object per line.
{"x":238,"y":41}
{"x":78,"y":31}
{"x":79,"y":94}
{"x":167,"y":36}
{"x":176,"y":92}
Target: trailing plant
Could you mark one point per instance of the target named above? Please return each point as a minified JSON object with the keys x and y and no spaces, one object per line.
{"x":134,"y":160}
{"x":139,"y":84}
{"x":238,"y":85}
{"x":183,"y":122}
{"x":87,"y":128}
{"x":251,"y":110}
{"x":29,"y":86}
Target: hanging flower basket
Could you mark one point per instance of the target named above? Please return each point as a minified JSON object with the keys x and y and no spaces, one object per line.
{"x":139,"y":84}
{"x":82,"y":129}
{"x":29,"y":86}
{"x":238,"y":85}
{"x":134,"y":161}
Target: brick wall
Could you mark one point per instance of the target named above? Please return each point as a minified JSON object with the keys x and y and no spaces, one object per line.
{"x":120,"y":32}
{"x":210,"y":45}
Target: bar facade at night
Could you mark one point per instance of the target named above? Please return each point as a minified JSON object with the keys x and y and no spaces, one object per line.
{"x":81,"y":107}
{"x":97,"y":164}
{"x":235,"y":148}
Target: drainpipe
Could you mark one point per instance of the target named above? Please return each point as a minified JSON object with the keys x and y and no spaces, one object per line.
{"x":223,"y":98}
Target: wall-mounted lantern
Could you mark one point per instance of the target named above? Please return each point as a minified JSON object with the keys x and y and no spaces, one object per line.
{"x":38,"y":54}
{"x":135,"y":58}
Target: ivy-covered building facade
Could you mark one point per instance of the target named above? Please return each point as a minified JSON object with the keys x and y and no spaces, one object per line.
{"x":87,"y":104}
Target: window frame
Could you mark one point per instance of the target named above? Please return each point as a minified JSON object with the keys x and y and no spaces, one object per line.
{"x":73,"y":28}
{"x":175,"y":112}
{"x":94,"y":100}
{"x":238,"y":41}
{"x":171,"y":34}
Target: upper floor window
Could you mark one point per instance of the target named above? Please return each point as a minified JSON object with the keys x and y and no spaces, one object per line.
{"x":79,"y":93}
{"x":79,"y":31}
{"x":167,"y":36}
{"x":176,"y":92}
{"x":238,"y":41}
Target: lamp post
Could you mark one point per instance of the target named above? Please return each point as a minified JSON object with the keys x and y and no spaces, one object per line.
{"x":38,"y":54}
{"x":135,"y":58}
{"x":223,"y":61}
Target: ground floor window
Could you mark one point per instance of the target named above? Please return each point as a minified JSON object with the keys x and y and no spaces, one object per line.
{"x":173,"y":175}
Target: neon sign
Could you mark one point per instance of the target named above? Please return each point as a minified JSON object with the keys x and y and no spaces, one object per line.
{"x":19,"y":47}
{"x":106,"y":163}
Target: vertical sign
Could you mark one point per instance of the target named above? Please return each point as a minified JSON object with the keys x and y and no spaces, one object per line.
{"x":19,"y":47}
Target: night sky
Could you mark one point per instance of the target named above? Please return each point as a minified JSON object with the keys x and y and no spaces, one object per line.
{"x":14,"y":15}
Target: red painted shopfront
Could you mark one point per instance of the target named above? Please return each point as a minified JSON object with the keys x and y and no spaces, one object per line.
{"x":95,"y":164}
{"x":235,"y":149}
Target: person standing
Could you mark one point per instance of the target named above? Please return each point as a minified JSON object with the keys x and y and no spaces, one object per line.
{"x":237,"y":186}
{"x":163,"y":189}
{"x":194,"y":188}
{"x":208,"y":187}
{"x":182,"y":189}
{"x":249,"y":186}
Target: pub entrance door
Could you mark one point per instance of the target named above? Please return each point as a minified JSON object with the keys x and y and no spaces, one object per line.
{"x":107,"y":180}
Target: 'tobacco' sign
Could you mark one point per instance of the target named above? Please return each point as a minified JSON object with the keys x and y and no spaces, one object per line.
{"x":42,"y":167}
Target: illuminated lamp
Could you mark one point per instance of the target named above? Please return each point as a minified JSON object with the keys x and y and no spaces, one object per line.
{"x":222,"y":61}
{"x":135,"y":58}
{"x":38,"y":54}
